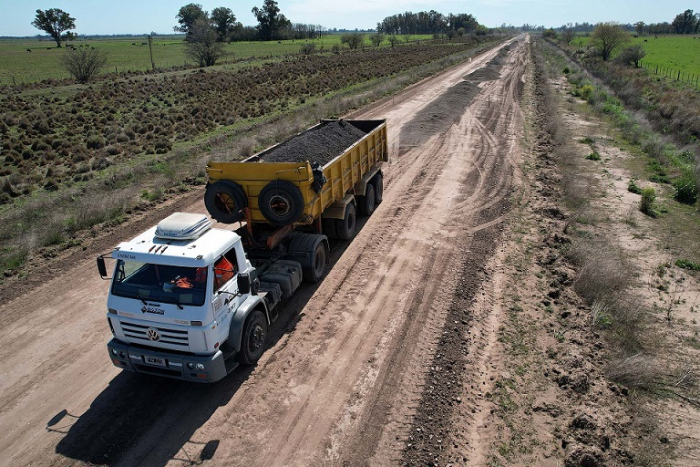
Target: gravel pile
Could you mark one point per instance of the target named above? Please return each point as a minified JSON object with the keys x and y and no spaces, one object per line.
{"x":322,"y":144}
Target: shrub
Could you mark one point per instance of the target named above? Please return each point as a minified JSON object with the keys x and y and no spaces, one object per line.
{"x":308,"y":48}
{"x":687,"y":264}
{"x":83,"y":64}
{"x":632,"y":55}
{"x":594,"y":156}
{"x":602,"y":270}
{"x":633,"y":188}
{"x":686,"y":188}
{"x":586,"y":91}
{"x":646,"y":205}
{"x":95,"y":142}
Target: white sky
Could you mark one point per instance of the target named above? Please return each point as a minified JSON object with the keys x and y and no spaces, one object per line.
{"x":144,"y":16}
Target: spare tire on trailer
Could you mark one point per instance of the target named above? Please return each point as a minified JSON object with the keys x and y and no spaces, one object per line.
{"x":281,"y":202}
{"x":225,"y":201}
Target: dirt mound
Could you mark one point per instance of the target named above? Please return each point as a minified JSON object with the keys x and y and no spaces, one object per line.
{"x":439,"y":115}
{"x":321,"y":144}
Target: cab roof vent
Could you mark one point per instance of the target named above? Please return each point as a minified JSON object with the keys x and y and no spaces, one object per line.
{"x":183,"y":226}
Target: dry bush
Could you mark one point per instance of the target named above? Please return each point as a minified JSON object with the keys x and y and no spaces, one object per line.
{"x":602,"y":271}
{"x":638,"y":371}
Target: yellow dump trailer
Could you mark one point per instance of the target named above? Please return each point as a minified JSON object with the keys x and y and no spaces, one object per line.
{"x":316,"y":180}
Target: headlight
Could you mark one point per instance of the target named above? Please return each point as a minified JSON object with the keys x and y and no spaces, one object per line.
{"x":200,"y":366}
{"x":190,"y":366}
{"x":114,"y":352}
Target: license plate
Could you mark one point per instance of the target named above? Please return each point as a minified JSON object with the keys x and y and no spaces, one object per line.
{"x":155,"y":361}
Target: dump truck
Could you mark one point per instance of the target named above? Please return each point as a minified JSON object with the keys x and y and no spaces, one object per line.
{"x":192,"y":301}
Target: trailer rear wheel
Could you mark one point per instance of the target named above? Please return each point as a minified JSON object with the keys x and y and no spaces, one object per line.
{"x":225,"y":201}
{"x":254,"y":338}
{"x":346,"y":227}
{"x":329,"y":229}
{"x":281,"y":202}
{"x":318,"y":267}
{"x":368,"y":201}
{"x":378,"y":182}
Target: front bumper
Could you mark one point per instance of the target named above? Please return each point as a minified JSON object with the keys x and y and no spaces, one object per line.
{"x":164,"y":363}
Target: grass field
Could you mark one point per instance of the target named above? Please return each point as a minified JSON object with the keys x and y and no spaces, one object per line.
{"x":19,"y":66}
{"x":675,"y":52}
{"x":680,"y":53}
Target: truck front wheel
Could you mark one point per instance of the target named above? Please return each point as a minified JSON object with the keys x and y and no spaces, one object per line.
{"x":254,"y":338}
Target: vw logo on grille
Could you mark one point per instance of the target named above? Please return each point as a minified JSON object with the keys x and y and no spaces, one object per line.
{"x":152,"y":334}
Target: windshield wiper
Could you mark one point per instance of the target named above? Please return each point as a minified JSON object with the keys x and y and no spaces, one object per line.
{"x":143,"y":300}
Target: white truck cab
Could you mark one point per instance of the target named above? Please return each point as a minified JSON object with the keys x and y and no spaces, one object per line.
{"x":184,"y":301}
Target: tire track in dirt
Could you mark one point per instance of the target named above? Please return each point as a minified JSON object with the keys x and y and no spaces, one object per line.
{"x":496,"y":122}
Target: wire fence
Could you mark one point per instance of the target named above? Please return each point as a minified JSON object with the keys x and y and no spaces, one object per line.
{"x":674,"y":74}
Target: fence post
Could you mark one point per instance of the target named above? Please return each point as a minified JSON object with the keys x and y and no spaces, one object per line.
{"x":679,"y":76}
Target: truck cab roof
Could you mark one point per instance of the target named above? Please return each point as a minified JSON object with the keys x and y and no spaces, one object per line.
{"x":181,"y":239}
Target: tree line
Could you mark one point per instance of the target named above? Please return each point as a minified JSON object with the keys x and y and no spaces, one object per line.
{"x":428,"y":22}
{"x":687,"y":22}
{"x":272,"y":24}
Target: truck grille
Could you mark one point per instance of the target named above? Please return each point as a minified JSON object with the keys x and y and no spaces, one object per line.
{"x":167,"y":335}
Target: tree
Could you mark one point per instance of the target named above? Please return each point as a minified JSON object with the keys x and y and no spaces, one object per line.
{"x":567,"y":35}
{"x":639,"y":27}
{"x":606,"y":38}
{"x":270,"y":21}
{"x":224,"y":21}
{"x":393,"y":40}
{"x":549,"y":33}
{"x":55,"y":22}
{"x":83,"y":64}
{"x":376,"y":39}
{"x":632,"y":55}
{"x":352,"y":40}
{"x":685,"y":23}
{"x":202,"y":46}
{"x":188,"y":16}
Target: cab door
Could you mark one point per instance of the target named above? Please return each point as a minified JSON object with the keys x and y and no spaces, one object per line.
{"x":226,"y":298}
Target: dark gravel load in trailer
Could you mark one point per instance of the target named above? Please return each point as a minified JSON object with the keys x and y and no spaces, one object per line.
{"x":315,"y":182}
{"x":320,"y":144}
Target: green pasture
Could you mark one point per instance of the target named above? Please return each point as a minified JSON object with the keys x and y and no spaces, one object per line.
{"x":676,"y":52}
{"x":681,"y":53}
{"x":19,"y":66}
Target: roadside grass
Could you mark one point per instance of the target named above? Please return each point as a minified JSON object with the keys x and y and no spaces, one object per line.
{"x":667,"y":162}
{"x":606,"y":278}
{"x":654,"y":345}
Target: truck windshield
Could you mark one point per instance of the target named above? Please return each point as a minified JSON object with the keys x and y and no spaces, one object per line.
{"x":169,"y":284}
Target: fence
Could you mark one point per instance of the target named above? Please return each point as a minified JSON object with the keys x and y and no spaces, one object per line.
{"x":678,"y":75}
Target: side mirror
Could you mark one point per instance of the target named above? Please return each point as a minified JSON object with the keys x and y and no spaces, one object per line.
{"x":102,"y":267}
{"x":243,"y":284}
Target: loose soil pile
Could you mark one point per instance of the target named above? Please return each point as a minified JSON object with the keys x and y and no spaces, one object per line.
{"x":320,"y":144}
{"x":440,"y":114}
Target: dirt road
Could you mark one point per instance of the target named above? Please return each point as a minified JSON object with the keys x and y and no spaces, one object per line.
{"x":355,"y":364}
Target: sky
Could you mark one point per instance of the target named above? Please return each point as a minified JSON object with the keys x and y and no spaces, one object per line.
{"x":94,"y":17}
